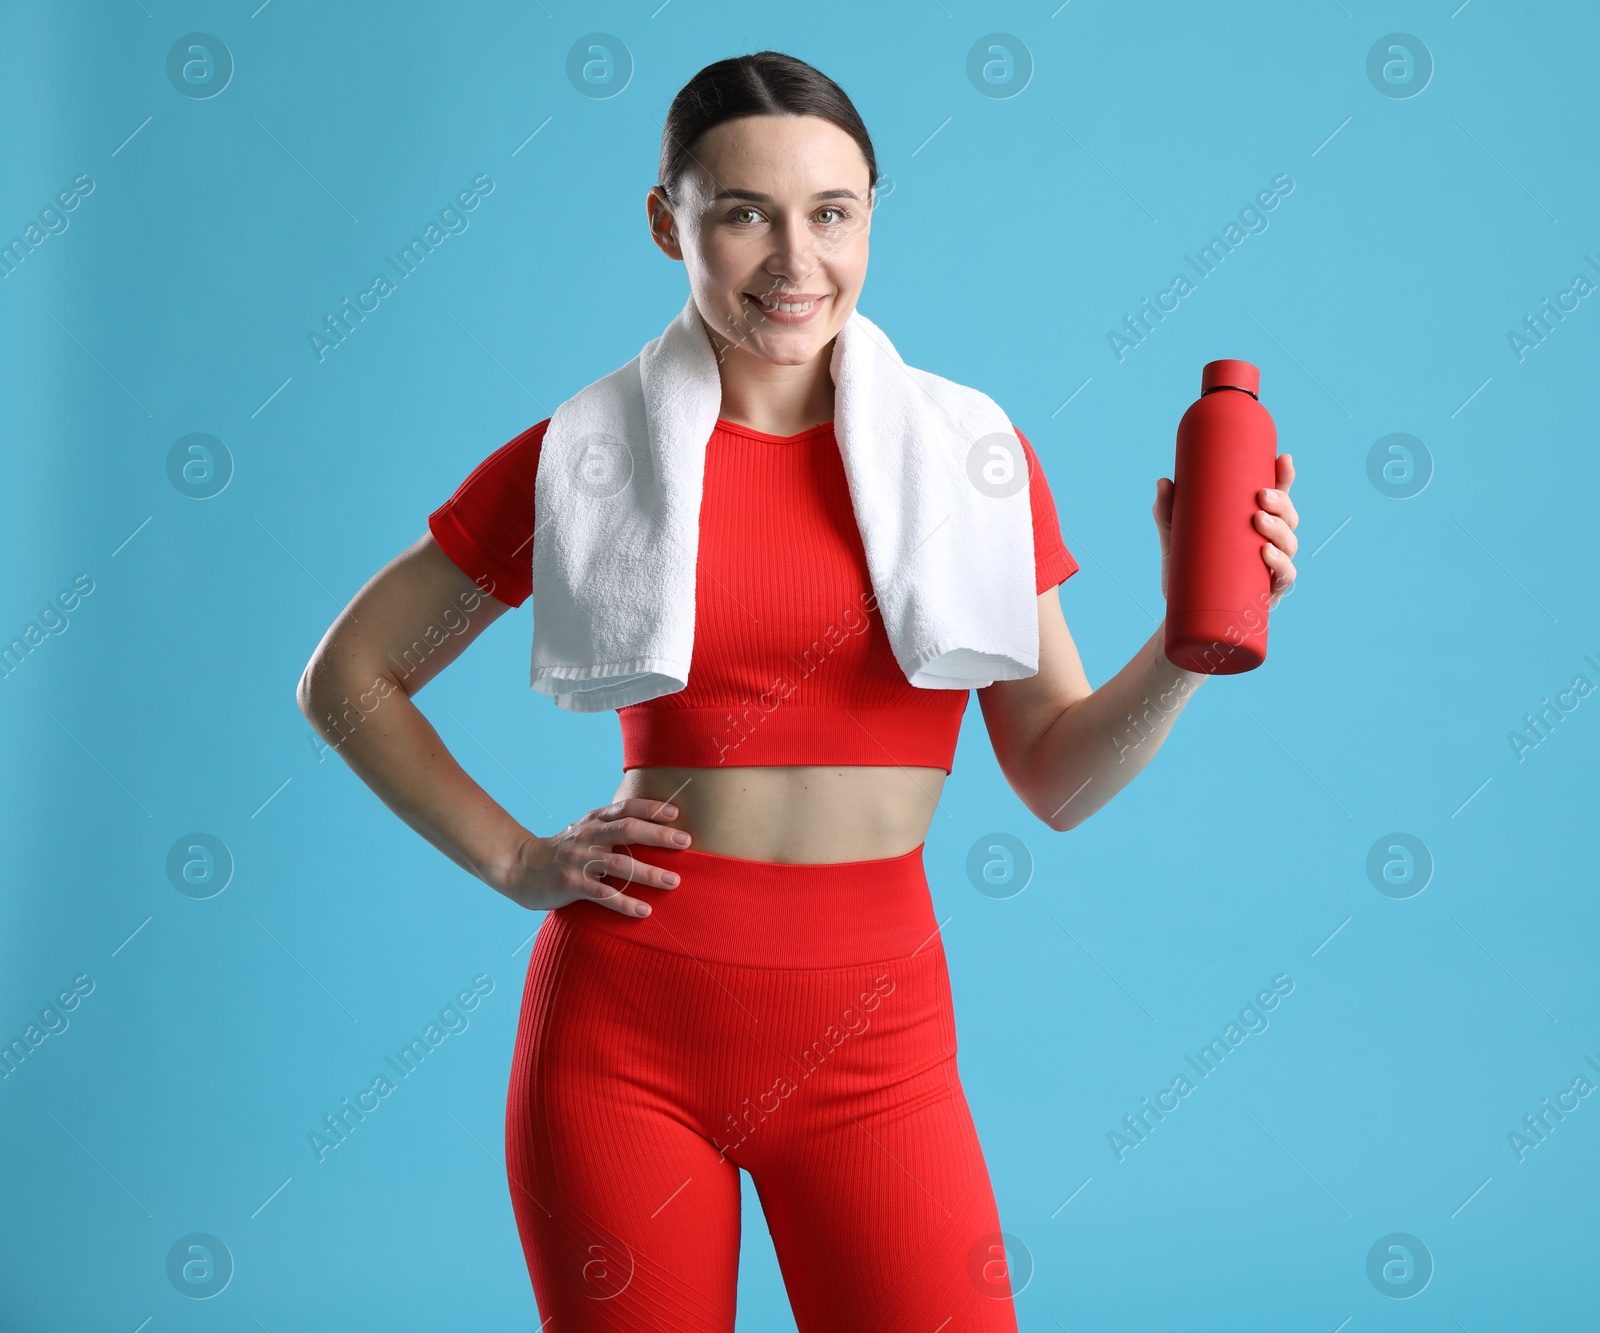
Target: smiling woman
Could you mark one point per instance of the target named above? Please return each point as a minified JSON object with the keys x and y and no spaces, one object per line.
{"x":770,"y":215}
{"x":770,"y":212}
{"x":670,"y":986}
{"x":805,"y":887}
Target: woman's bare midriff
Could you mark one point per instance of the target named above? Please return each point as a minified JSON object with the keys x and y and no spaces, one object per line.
{"x":806,"y":814}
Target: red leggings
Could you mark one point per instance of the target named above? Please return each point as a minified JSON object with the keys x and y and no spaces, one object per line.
{"x":792,"y":1020}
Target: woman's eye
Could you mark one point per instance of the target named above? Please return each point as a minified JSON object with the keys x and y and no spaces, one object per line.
{"x":740,"y":215}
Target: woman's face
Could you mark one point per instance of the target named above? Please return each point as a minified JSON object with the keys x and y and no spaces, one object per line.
{"x":773,"y":207}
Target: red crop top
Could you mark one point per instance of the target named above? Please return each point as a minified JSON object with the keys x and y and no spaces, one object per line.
{"x":789,"y":664}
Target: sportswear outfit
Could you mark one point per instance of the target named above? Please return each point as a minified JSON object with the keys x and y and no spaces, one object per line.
{"x":794,"y":1020}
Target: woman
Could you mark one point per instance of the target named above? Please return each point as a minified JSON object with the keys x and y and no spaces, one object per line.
{"x":739,"y":964}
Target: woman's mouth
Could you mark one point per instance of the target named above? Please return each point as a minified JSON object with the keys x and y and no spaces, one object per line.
{"x":786,"y":309}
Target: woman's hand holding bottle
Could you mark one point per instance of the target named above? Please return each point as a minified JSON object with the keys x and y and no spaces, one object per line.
{"x":1275,"y":520}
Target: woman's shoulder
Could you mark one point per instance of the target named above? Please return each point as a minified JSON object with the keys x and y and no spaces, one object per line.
{"x":487,"y":525}
{"x":522,"y":448}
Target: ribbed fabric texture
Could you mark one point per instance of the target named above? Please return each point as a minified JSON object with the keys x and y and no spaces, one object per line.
{"x":647,"y":1072}
{"x":792,"y":664}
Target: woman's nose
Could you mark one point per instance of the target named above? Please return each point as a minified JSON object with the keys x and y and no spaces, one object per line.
{"x":794,"y":252}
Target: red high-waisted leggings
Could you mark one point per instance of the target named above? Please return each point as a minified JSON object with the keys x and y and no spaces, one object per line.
{"x":792,"y":1020}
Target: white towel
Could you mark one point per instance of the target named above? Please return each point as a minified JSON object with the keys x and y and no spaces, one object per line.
{"x":947,"y":528}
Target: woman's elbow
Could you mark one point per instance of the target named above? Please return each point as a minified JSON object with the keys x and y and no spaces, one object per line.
{"x":317,"y":682}
{"x":1061,"y":821}
{"x":1047,"y":806}
{"x":302,"y":691}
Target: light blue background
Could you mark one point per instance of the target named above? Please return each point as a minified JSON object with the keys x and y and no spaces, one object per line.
{"x":1018,"y":232}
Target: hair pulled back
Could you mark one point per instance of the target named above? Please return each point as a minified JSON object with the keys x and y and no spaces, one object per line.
{"x":768,"y":83}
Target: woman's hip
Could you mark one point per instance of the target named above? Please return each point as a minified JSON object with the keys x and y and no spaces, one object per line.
{"x":727,"y":909}
{"x":747,"y":973}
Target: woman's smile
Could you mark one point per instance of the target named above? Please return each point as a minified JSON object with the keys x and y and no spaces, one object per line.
{"x":786,"y":309}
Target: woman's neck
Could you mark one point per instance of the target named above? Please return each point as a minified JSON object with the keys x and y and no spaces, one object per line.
{"x":774,"y":399}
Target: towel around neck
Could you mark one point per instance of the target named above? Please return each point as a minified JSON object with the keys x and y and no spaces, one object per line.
{"x":937,"y":479}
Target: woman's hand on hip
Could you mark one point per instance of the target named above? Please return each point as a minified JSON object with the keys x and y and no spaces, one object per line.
{"x":551,"y":872}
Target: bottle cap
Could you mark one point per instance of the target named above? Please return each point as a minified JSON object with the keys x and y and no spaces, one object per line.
{"x":1230,"y":375}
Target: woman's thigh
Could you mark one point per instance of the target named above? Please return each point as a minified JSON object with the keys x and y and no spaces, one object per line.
{"x":870,"y":1171}
{"x":626,"y":1212}
{"x":792,"y":1020}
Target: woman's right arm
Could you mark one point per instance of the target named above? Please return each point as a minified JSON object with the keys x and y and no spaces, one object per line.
{"x":411,"y":620}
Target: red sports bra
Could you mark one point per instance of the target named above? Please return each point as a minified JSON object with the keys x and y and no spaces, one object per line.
{"x":789,"y":664}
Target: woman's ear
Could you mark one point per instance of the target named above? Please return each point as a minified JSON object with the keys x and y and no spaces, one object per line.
{"x":663,"y":226}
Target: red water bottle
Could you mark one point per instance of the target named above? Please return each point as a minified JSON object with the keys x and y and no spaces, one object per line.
{"x":1217,"y":583}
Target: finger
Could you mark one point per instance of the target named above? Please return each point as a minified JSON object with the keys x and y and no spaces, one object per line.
{"x":608,"y":895}
{"x":1283,"y":570}
{"x":619,"y":865}
{"x":636,"y":829}
{"x":642,"y":872}
{"x":1285,"y":474}
{"x":1273,"y":527}
{"x":639,"y":807}
{"x":1278,"y":502}
{"x":605,"y":812}
{"x":1162,"y":508}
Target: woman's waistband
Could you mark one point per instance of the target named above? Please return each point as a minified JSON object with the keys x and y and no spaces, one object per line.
{"x":773,"y":914}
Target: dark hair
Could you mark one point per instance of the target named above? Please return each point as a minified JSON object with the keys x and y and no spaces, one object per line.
{"x":768,"y":83}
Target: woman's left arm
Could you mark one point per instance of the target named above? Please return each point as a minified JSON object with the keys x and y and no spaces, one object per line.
{"x":1067,"y":749}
